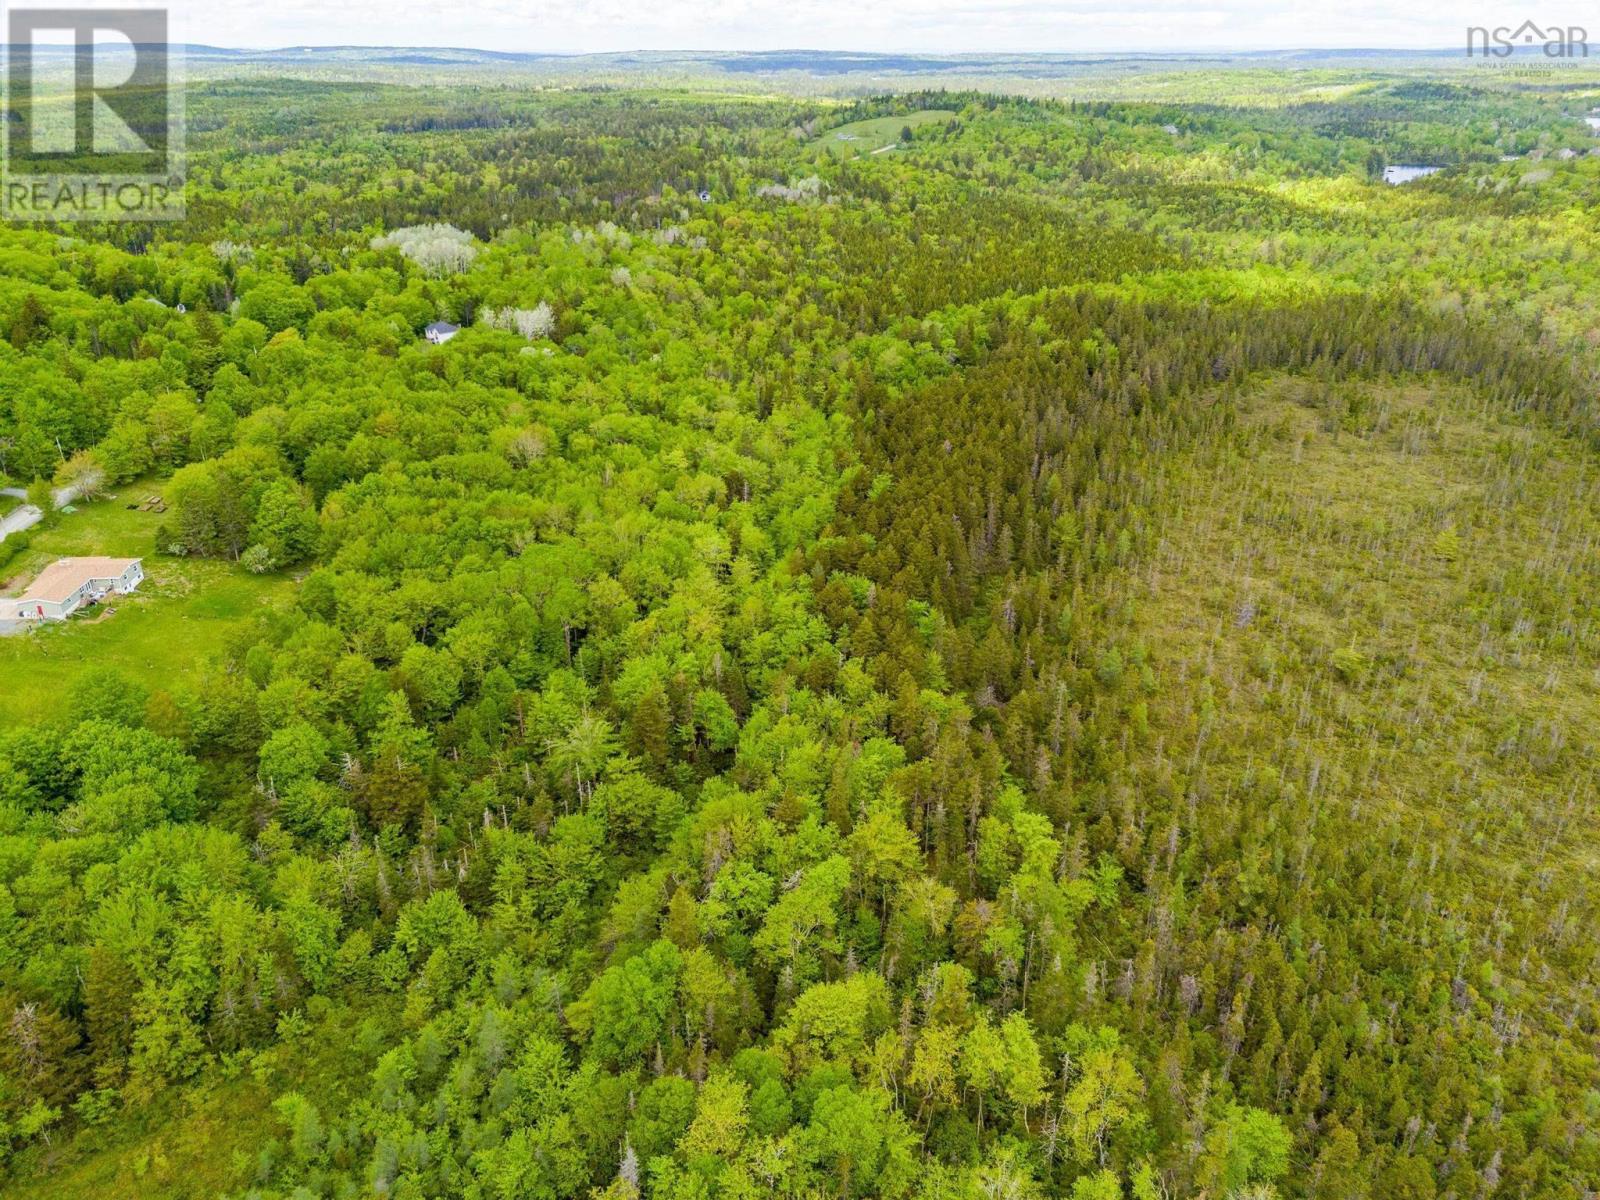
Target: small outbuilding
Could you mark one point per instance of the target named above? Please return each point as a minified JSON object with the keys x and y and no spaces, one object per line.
{"x":67,"y":584}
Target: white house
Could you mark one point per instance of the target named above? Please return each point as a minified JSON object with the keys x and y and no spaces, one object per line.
{"x":67,"y":584}
{"x":441,"y":332}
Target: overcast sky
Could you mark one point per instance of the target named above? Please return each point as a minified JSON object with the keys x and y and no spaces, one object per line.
{"x":916,"y":25}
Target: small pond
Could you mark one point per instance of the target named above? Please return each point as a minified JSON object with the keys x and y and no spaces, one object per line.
{"x":1405,"y":173}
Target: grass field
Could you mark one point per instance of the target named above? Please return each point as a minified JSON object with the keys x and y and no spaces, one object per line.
{"x":876,"y":135}
{"x":166,"y":632}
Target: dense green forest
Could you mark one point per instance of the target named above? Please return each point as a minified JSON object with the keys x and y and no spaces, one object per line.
{"x":1058,"y":656}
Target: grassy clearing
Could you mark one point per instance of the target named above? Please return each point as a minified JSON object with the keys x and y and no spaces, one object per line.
{"x":877,"y":134}
{"x":175,"y":624}
{"x":1380,"y":600}
{"x":202,"y":1141}
{"x":189,"y":1146}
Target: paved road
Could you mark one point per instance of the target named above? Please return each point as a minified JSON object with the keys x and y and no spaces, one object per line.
{"x":26,"y":516}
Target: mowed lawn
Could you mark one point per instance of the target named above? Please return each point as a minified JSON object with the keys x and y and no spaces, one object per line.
{"x":869,"y":137}
{"x":165,"y":633}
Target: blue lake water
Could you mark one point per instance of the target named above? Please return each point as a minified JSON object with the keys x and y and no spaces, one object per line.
{"x":1405,"y":173}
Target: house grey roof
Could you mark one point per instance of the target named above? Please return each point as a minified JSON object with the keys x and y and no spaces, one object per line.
{"x":443,"y":327}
